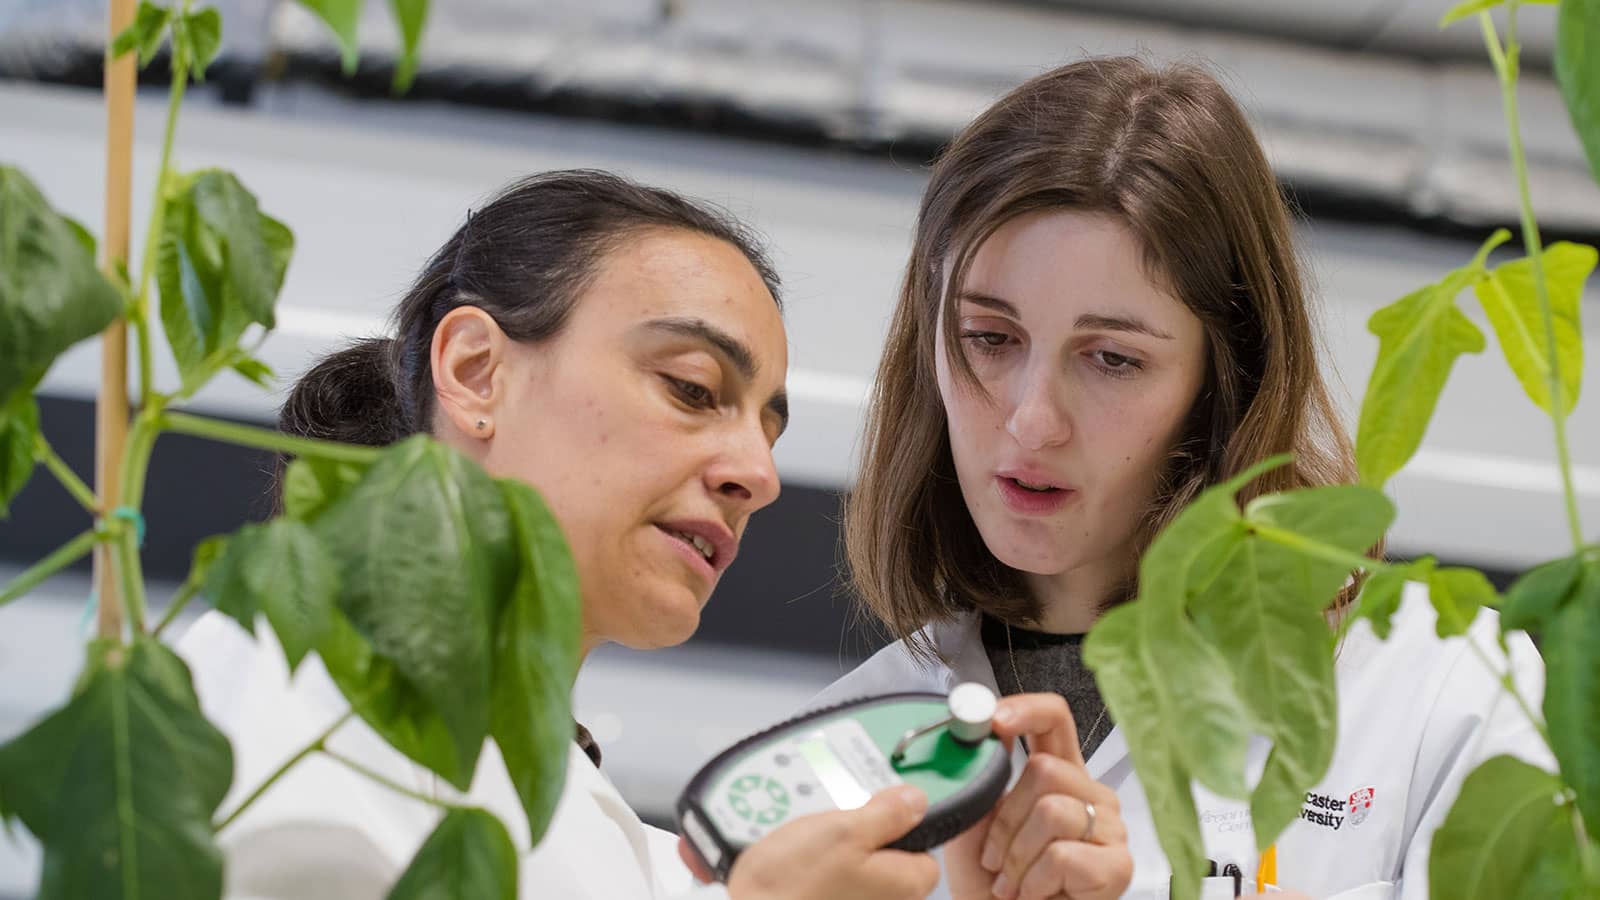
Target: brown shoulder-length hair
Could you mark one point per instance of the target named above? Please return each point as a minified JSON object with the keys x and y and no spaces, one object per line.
{"x":1168,"y":153}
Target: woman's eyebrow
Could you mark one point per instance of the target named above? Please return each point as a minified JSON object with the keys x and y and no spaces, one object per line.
{"x":992,"y":302}
{"x":720,"y":342}
{"x":1132,"y":324}
{"x":1087,"y":321}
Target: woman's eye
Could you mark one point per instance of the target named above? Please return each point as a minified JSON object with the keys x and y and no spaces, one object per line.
{"x":694,"y":394}
{"x":986,"y":341}
{"x":1116,"y":363}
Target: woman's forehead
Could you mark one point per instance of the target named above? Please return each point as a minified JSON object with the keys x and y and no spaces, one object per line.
{"x":1048,"y":260}
{"x":683,"y":276}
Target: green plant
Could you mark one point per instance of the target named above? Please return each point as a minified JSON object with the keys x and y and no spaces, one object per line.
{"x":1229,"y":639}
{"x":443,"y":602}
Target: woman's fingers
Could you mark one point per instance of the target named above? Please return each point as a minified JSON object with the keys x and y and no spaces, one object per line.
{"x":1059,"y":817}
{"x":1079,"y":870}
{"x":1044,"y":719}
{"x":1050,"y":841}
{"x":1043,"y":775}
{"x":839,"y":854}
{"x":887,"y":817}
{"x":896,"y":873}
{"x":691,"y":860}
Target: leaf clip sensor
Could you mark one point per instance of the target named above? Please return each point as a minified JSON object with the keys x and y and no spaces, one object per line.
{"x":971,"y":719}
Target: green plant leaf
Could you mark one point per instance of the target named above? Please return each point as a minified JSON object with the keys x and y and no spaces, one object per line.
{"x":148,"y":30}
{"x":1266,"y":605}
{"x":199,"y":35}
{"x":1572,"y":693}
{"x":256,"y":371}
{"x":469,"y":856}
{"x":1419,"y":338}
{"x":1557,"y":872}
{"x":411,"y":16}
{"x":311,"y":485}
{"x":255,"y":246}
{"x":344,"y":18}
{"x":1282,"y":666}
{"x":1138,"y":658}
{"x":1512,"y":304}
{"x":424,"y":549}
{"x":206,"y":553}
{"x":536,"y":655}
{"x":386,"y":700}
{"x":51,"y":294}
{"x":1382,"y":594}
{"x":1170,"y":689}
{"x":279,"y":569}
{"x":1495,"y":832}
{"x":1472,"y":7}
{"x":19,"y":431}
{"x":1535,"y":598}
{"x":121,"y":783}
{"x":1457,"y":594}
{"x":1577,"y":66}
{"x":220,"y":266}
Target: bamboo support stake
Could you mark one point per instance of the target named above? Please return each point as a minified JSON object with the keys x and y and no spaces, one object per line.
{"x":111,"y":406}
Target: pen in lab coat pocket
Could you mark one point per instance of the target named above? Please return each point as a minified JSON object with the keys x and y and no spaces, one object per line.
{"x":1267,"y":869}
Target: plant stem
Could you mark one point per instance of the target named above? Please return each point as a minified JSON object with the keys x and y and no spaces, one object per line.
{"x":307,"y":750}
{"x":44,"y":453}
{"x":136,"y":459}
{"x":64,"y":556}
{"x":1510,"y":688}
{"x":185,"y":593}
{"x":1506,"y":66}
{"x":125,"y":548}
{"x":152,"y":237}
{"x":266,"y":439}
{"x":1318,"y":549}
{"x":392,"y":785}
{"x":1586,"y":860}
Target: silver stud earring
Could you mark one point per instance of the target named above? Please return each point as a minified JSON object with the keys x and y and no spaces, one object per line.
{"x":482,"y":424}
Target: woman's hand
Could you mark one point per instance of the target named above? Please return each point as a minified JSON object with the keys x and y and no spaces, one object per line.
{"x":836,"y":855}
{"x":1057,"y":832}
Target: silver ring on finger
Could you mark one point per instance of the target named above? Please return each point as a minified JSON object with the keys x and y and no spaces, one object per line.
{"x":1088,"y":828}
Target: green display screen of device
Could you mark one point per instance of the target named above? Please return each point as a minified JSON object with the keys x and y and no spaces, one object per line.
{"x":837,"y":758}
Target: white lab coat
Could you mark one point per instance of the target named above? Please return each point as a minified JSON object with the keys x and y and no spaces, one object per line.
{"x":1416,"y":715}
{"x":324,"y":832}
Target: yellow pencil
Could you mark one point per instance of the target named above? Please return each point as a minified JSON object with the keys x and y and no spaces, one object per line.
{"x":1267,"y":870}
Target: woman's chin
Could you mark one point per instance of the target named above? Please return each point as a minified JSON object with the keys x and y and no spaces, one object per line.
{"x":1041,"y":562}
{"x":669,"y":620}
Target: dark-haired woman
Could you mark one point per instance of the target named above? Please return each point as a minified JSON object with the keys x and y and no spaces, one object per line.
{"x":621,"y":349}
{"x":1103,"y":316}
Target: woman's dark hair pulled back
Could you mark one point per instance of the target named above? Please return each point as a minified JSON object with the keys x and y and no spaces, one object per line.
{"x":524,"y":258}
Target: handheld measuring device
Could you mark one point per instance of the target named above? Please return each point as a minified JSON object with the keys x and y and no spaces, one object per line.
{"x":837,"y":758}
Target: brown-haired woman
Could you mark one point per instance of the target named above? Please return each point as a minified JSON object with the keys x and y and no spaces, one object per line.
{"x":1103,"y":315}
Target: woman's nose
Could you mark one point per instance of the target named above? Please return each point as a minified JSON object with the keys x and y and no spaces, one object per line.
{"x":1038,"y":418}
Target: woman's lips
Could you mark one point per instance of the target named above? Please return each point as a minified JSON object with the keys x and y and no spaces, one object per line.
{"x":1030,"y":502}
{"x":692,"y":555}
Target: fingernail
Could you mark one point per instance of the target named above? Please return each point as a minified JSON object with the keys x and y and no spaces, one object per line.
{"x":1002,"y":887}
{"x":1002,"y":716}
{"x":991,"y":858}
{"x":915,"y":800}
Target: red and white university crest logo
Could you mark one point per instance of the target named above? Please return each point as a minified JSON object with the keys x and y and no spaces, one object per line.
{"x":1361,"y":805}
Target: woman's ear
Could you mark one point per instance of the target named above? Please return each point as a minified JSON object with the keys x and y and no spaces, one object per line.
{"x":467,"y":355}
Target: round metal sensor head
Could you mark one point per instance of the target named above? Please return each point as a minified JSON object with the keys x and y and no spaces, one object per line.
{"x":972,"y":709}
